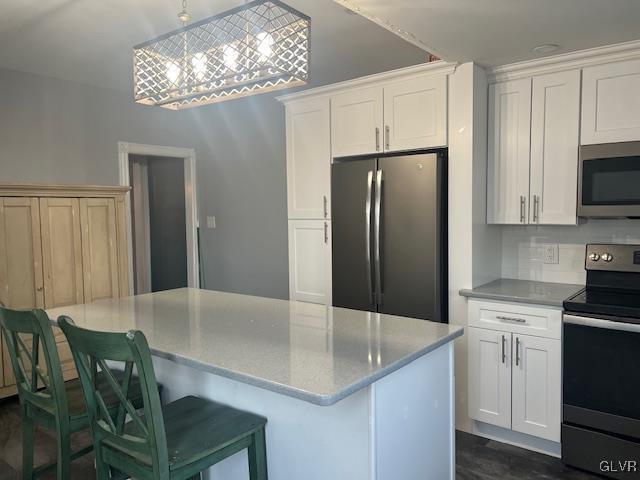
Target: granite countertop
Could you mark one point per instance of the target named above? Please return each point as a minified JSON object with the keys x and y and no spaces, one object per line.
{"x":524,"y":291}
{"x":311,"y":352}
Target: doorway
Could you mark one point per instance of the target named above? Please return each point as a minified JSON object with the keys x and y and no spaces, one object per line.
{"x":162,"y":217}
{"x":158,"y":223}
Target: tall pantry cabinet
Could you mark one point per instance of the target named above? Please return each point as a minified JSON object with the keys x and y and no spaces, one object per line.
{"x":59,"y":245}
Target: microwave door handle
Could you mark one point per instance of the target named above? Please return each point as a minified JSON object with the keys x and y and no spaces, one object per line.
{"x":367,"y":233}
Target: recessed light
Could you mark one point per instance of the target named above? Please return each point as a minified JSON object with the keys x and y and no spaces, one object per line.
{"x":546,"y":48}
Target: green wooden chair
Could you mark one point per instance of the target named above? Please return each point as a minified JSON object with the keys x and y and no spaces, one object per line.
{"x":45,"y":398}
{"x":177,"y":441}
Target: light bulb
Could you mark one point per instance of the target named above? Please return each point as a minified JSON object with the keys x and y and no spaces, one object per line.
{"x":199,"y":63}
{"x":173,"y":72}
{"x":230,"y":56}
{"x":265,"y":45}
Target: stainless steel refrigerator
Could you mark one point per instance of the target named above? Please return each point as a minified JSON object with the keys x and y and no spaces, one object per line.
{"x":389,"y":223}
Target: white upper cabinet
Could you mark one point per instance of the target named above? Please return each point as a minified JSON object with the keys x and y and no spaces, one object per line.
{"x":357,"y":122}
{"x":415,"y":113}
{"x":308,"y":159}
{"x":508,"y":152}
{"x":611,"y":103}
{"x":310,"y":261}
{"x":536,"y":387}
{"x":490,"y":376}
{"x":555,"y":118}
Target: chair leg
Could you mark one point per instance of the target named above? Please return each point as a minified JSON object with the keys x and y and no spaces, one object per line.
{"x":27,"y":444}
{"x":258,"y":457}
{"x":103,"y":472}
{"x":64,"y":453}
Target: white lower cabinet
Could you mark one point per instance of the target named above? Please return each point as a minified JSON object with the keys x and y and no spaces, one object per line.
{"x":515,"y":378}
{"x":490,"y":376}
{"x":536,"y":386}
{"x":310,"y":261}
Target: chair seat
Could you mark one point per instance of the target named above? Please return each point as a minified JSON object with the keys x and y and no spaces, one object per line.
{"x":196,"y":428}
{"x":76,"y":402}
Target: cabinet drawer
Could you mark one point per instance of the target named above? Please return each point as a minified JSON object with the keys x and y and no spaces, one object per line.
{"x":516,"y":318}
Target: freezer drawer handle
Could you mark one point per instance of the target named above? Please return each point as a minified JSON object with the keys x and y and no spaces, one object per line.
{"x":367,"y":233}
{"x":376,"y":228}
{"x":511,"y":319}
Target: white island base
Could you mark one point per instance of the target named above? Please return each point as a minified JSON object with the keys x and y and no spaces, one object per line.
{"x":398,"y":428}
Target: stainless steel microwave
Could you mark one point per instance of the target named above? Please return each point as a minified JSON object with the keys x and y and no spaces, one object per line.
{"x":609,"y":180}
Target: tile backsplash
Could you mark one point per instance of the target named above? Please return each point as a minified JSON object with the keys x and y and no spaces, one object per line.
{"x":523,"y":248}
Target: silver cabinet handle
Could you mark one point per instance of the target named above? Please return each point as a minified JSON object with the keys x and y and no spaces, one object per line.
{"x":325,"y":206}
{"x":504,"y":350}
{"x":376,"y":227}
{"x":326,"y":233}
{"x":517,"y":351}
{"x":523,"y":204}
{"x":511,"y":319}
{"x":377,"y":139}
{"x":536,"y":209}
{"x":367,"y":233}
{"x":387,"y":137}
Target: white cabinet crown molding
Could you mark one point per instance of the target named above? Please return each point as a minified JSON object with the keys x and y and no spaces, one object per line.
{"x":378,"y":79}
{"x":566,"y":61}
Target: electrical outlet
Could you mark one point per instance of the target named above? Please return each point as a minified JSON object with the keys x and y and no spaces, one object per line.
{"x":211,"y":222}
{"x":551,"y":254}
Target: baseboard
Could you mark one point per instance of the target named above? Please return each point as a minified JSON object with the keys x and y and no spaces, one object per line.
{"x":517,"y":439}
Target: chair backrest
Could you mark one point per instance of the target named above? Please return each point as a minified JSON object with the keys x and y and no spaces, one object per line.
{"x":95,"y":354}
{"x":25,"y":332}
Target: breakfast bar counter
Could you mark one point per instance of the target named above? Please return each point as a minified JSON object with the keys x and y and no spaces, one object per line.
{"x":347,"y":393}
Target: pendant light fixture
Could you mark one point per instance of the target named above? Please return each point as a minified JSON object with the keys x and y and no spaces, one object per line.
{"x":257,"y":47}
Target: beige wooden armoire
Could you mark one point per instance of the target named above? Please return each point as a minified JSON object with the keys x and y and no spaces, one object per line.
{"x":60,"y":245}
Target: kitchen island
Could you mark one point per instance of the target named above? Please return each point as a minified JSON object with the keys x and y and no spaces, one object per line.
{"x":348,"y":394}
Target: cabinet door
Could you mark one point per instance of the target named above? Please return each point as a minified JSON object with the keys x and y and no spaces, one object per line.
{"x":508,"y":152}
{"x":415,"y":113}
{"x":21,"y":282}
{"x":61,"y":251}
{"x":554,"y":148}
{"x":611,"y":103}
{"x":310,"y":261}
{"x":308,"y":159}
{"x":536,"y":387}
{"x":490,"y":376}
{"x":356,"y":122}
{"x":99,"y":260}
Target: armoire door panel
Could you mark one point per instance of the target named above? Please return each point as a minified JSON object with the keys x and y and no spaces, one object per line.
{"x":490,"y":376}
{"x":555,"y":133}
{"x":61,"y":251}
{"x":21,"y":282}
{"x":99,"y":253}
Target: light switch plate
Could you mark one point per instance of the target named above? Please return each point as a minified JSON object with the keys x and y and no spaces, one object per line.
{"x":211,"y":222}
{"x":551,"y":254}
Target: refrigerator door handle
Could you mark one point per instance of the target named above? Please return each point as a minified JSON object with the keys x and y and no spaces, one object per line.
{"x":376,"y":227}
{"x":367,"y":226}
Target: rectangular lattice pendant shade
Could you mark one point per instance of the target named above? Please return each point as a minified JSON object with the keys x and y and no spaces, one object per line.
{"x":254,"y":48}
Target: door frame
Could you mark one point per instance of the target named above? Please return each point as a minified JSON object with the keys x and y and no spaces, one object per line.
{"x":191,"y":202}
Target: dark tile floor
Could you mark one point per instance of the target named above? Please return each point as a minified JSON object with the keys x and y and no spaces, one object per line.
{"x":477,"y":458}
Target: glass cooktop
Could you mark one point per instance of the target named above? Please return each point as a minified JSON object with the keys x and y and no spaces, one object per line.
{"x":606,"y":302}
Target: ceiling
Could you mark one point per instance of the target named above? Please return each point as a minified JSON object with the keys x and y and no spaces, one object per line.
{"x":90,"y":41}
{"x":496,"y":32}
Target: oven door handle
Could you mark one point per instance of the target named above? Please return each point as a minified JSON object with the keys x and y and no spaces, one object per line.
{"x":600,"y":323}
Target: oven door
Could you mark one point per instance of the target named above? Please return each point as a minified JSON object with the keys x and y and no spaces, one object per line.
{"x":601,"y":375}
{"x":609,"y":179}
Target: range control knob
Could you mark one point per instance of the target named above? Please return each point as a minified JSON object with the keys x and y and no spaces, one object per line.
{"x":594,"y":257}
{"x":607,"y":257}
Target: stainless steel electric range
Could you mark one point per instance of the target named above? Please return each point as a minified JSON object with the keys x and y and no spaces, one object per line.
{"x":601,"y":365}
